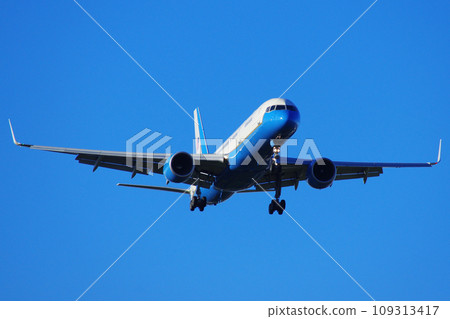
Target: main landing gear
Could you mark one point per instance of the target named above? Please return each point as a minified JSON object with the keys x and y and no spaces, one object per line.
{"x":197,"y":202}
{"x":276,"y":204}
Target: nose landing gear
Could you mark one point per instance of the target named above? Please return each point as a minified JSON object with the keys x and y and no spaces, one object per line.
{"x":277,"y":205}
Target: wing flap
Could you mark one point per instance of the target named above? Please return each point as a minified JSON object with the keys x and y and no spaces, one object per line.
{"x":138,"y":165}
{"x":356,"y":175}
{"x":343,"y":170}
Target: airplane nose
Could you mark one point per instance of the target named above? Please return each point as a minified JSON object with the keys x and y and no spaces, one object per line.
{"x":284,"y":122}
{"x":291,"y":120}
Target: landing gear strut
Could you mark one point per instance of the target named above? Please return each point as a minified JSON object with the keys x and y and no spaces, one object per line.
{"x":197,"y":202}
{"x":277,"y":205}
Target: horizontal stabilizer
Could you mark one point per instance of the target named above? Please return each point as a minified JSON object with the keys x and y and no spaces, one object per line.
{"x":159,"y":188}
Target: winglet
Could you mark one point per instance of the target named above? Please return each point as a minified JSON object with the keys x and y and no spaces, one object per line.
{"x":12,"y":133}
{"x":14,"y":138}
{"x":439,"y":153}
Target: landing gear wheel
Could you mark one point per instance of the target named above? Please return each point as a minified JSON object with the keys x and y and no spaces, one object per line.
{"x":202,"y":204}
{"x":280,"y":206}
{"x":277,"y":206}
{"x":193,"y":203}
{"x":271,"y":207}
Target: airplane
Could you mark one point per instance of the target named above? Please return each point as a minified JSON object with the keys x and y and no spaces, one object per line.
{"x":233,"y":168}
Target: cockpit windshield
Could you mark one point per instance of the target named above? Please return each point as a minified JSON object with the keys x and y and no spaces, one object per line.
{"x":291,"y":108}
{"x":281,"y":107}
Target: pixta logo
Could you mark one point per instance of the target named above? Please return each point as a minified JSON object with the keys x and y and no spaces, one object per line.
{"x":141,"y":148}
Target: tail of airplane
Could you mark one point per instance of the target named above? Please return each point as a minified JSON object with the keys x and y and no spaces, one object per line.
{"x":200,"y":139}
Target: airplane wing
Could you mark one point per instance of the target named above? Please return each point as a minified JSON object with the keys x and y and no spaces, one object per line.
{"x":294,"y":170}
{"x":206,"y":165}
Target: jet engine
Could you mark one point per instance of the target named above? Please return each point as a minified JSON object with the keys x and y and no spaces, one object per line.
{"x":321,"y":176}
{"x":179,"y":167}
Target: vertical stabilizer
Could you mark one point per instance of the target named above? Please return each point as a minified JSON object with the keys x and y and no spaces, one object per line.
{"x":200,"y":139}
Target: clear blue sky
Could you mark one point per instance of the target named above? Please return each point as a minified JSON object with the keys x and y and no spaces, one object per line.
{"x":380,"y":94}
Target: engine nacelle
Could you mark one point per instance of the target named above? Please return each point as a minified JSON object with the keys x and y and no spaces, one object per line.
{"x":179,"y":167}
{"x":321,"y":176}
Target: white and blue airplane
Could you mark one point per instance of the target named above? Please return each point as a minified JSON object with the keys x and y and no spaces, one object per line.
{"x":234,"y":168}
